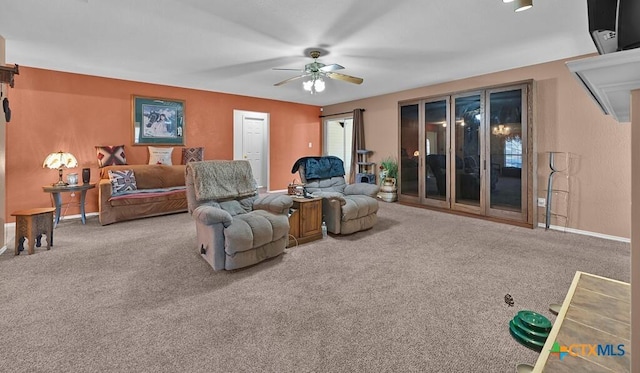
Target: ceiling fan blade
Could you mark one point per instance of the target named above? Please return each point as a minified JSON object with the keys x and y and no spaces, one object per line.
{"x":290,"y":80}
{"x":346,"y":78}
{"x":332,"y":67}
{"x":276,"y":68}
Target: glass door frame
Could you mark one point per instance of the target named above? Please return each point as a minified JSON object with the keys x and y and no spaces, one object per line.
{"x":524,"y":171}
{"x":528,"y":183}
{"x":405,"y":197}
{"x":424,"y":198}
{"x":458,"y":206}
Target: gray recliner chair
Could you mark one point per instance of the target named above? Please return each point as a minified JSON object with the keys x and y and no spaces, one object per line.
{"x":346,"y":208}
{"x":235,"y":227}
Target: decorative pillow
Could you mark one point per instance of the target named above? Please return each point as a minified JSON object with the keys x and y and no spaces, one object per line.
{"x":160,"y":155}
{"x":111,"y":155}
{"x":192,"y":155}
{"x":122,"y":181}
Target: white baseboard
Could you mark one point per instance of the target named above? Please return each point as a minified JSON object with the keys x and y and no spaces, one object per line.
{"x":10,"y":228}
{"x":586,"y":233}
{"x":278,"y":191}
{"x":12,"y":225}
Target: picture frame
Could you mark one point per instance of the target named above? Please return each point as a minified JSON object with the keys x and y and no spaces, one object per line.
{"x":157,"y":121}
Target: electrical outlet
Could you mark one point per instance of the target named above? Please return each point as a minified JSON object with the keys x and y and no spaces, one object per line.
{"x":542,"y":202}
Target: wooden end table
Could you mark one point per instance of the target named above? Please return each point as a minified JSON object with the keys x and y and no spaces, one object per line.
{"x":596,"y":313}
{"x":55,"y":191}
{"x":305,"y":222}
{"x":32,"y":224}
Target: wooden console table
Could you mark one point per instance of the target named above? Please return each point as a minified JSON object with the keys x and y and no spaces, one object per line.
{"x":305,"y":221}
{"x":596,"y":311}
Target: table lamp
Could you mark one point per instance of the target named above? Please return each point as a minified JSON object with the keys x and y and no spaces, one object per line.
{"x":58,"y":161}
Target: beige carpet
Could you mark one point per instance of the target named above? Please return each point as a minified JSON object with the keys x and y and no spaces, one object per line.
{"x":421,"y":292}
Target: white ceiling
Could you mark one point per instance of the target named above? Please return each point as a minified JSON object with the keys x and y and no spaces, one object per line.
{"x":232,"y":46}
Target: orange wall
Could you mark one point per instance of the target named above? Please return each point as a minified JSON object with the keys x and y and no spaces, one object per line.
{"x":54,"y":111}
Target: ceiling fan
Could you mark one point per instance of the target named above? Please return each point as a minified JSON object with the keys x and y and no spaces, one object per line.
{"x":315,"y":71}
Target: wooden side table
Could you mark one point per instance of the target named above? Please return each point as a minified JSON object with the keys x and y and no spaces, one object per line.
{"x":55,"y":191}
{"x":305,"y":222}
{"x":32,"y":224}
{"x":596,"y":313}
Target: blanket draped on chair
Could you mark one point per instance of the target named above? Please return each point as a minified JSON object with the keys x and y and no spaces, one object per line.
{"x":319,"y":167}
{"x":219,"y":180}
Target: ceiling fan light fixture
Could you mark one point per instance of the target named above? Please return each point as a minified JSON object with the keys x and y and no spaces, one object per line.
{"x":315,"y":72}
{"x":522,"y":5}
{"x":308,"y":85}
{"x":507,"y":1}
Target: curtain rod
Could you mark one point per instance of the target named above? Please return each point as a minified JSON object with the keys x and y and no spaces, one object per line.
{"x":346,"y":112}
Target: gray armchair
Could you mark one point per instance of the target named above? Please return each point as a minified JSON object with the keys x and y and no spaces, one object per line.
{"x":235,"y":227}
{"x":346,"y":208}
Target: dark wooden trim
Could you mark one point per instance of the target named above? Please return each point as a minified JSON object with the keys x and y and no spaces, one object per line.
{"x":469,"y":215}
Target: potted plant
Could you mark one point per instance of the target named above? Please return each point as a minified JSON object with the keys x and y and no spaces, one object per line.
{"x":388,"y":189}
{"x":389,"y":166}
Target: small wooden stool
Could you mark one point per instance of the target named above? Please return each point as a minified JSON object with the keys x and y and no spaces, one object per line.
{"x":32,"y":224}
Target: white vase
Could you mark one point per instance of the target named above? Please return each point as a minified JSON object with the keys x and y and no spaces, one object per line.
{"x":72,"y":179}
{"x":389,"y":190}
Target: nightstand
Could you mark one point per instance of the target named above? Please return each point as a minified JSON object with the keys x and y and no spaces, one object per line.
{"x":305,"y":221}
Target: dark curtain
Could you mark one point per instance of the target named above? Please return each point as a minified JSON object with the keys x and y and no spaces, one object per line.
{"x":357,"y":143}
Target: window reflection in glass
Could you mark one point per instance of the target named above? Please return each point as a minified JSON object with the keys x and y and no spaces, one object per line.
{"x":409,"y":153}
{"x":506,"y":150}
{"x":435,"y":127}
{"x":467,"y":149}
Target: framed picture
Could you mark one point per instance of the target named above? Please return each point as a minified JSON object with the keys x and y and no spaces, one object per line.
{"x":157,"y":121}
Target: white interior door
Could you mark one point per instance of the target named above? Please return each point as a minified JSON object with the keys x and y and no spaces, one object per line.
{"x":251,"y":142}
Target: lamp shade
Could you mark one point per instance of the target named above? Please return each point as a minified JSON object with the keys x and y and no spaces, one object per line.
{"x":60,"y":160}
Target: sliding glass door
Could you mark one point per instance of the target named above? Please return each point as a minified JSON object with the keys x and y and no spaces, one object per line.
{"x":508,"y":162}
{"x":467,"y":144}
{"x":436,"y":146}
{"x":468,"y":152}
{"x":409,"y":169}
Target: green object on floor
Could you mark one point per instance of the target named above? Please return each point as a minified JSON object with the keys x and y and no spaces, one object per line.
{"x":531,"y":333}
{"x":535,"y":320}
{"x":523,"y":339}
{"x":530,"y":329}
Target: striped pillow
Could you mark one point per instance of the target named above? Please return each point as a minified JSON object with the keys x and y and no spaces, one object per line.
{"x":122,"y":181}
